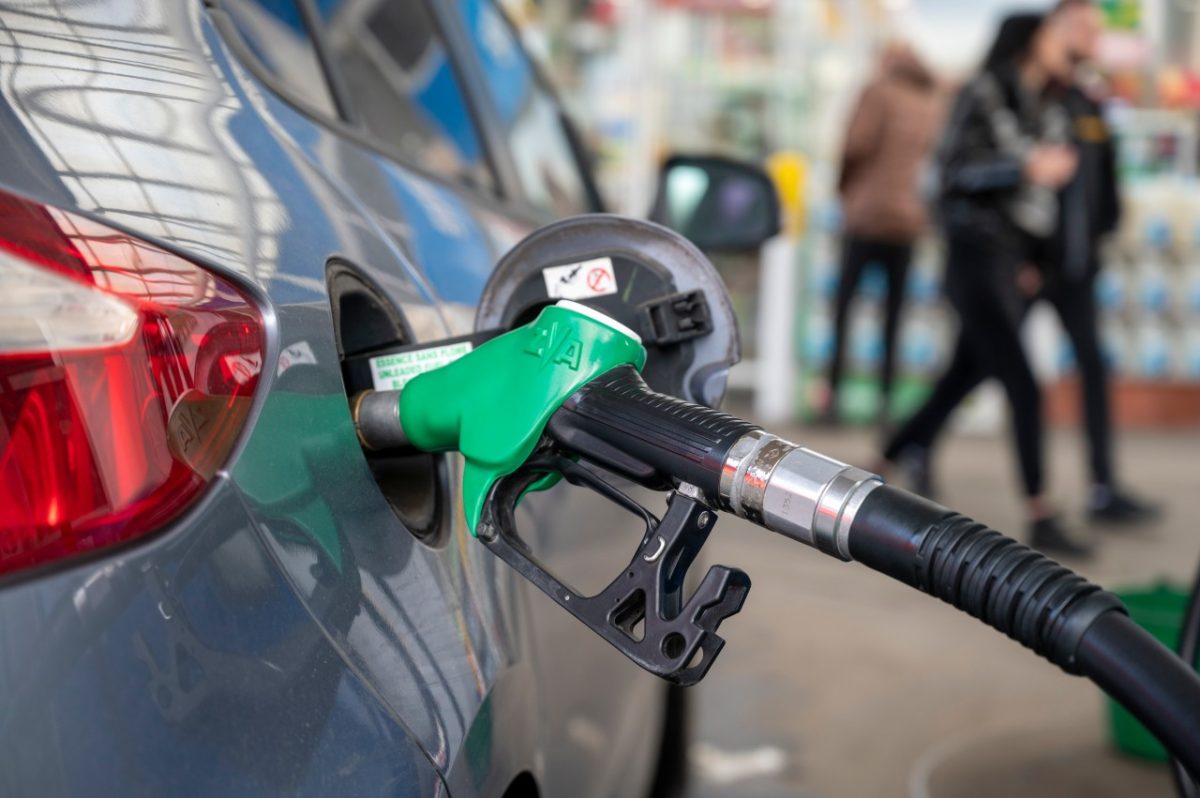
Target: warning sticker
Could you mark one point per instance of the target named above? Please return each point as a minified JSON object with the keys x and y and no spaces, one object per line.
{"x":581,"y":280}
{"x":392,"y":372}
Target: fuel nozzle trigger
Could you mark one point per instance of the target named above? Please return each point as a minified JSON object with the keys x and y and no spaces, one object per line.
{"x":642,"y":612}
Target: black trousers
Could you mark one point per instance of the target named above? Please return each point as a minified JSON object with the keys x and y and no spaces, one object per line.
{"x":857,"y":255}
{"x":1075,"y":303}
{"x":981,"y":286}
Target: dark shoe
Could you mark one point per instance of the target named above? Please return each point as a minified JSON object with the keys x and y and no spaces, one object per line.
{"x":914,"y":463}
{"x":885,"y":428}
{"x":1110,"y":506}
{"x":1048,"y":536}
{"x":827,"y":419}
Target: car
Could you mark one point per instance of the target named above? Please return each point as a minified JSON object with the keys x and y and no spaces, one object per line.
{"x":207,"y":586}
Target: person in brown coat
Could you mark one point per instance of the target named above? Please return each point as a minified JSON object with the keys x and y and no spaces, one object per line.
{"x":892,"y":130}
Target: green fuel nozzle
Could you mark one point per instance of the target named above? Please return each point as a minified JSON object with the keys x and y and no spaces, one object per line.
{"x":493,"y":403}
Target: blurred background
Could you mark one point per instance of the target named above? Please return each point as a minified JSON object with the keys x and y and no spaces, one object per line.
{"x":755,"y":78}
{"x":835,"y":683}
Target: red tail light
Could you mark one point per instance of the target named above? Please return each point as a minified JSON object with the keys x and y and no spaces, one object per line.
{"x":126,"y":374}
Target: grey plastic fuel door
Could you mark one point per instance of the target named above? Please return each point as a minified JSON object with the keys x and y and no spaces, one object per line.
{"x":642,"y":274}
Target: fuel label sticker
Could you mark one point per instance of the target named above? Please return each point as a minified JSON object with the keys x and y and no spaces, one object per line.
{"x":585,"y":280}
{"x":392,"y":372}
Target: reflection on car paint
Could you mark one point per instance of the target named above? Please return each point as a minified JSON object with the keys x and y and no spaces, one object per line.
{"x":288,"y":637}
{"x":211,"y":170}
{"x":149,"y":108}
{"x":509,"y":78}
{"x":295,"y":473}
{"x":443,"y":231}
{"x":402,"y":84}
{"x":208,"y":647}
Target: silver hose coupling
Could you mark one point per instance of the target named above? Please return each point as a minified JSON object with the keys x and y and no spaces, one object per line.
{"x":795,"y":491}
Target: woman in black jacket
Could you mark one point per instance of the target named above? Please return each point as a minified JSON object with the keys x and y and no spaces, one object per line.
{"x":1005,"y":155}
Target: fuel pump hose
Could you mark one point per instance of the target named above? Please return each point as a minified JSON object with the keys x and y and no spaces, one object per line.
{"x":850,"y":514}
{"x":618,"y":422}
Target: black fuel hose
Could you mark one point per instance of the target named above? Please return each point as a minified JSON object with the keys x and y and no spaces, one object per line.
{"x":846,"y":512}
{"x":1007,"y":585}
{"x":1041,"y":604}
{"x":1129,"y":664}
{"x":1189,"y":647}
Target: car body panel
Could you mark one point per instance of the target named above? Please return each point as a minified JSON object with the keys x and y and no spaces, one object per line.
{"x":188,"y":666}
{"x":288,"y":635}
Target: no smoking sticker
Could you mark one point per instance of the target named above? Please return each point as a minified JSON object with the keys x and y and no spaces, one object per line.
{"x":591,"y":278}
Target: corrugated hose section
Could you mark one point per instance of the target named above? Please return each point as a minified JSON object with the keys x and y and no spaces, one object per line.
{"x":1003,"y":583}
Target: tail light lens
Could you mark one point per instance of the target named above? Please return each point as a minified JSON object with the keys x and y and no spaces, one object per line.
{"x":126,"y":374}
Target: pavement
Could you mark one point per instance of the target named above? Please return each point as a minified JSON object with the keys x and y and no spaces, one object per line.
{"x":837,"y":682}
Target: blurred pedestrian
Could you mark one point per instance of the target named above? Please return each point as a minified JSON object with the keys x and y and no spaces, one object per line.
{"x":891,"y":132}
{"x":1005,"y":156}
{"x":1091,"y":209}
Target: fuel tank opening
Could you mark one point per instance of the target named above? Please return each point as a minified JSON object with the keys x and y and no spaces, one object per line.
{"x":367,"y":325}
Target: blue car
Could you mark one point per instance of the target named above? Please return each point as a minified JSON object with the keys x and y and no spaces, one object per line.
{"x":207,"y":587}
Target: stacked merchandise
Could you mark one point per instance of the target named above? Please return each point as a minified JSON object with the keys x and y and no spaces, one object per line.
{"x":1148,"y":292}
{"x":1149,"y":298}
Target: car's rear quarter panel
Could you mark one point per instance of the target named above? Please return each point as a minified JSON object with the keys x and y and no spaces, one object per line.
{"x":288,"y":635}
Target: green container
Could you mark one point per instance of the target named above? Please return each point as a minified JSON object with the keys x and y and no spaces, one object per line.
{"x":1160,"y":611}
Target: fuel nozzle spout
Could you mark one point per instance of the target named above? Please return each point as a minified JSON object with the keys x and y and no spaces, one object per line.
{"x":377,"y":421}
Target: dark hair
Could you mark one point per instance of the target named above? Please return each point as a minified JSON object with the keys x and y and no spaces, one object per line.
{"x":1066,"y":5}
{"x":1013,"y":40}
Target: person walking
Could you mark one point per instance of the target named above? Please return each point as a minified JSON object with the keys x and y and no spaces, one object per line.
{"x":1090,"y":210}
{"x":1005,"y":156}
{"x":891,"y":132}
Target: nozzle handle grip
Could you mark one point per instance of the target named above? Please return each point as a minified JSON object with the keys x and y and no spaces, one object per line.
{"x":616,"y":417}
